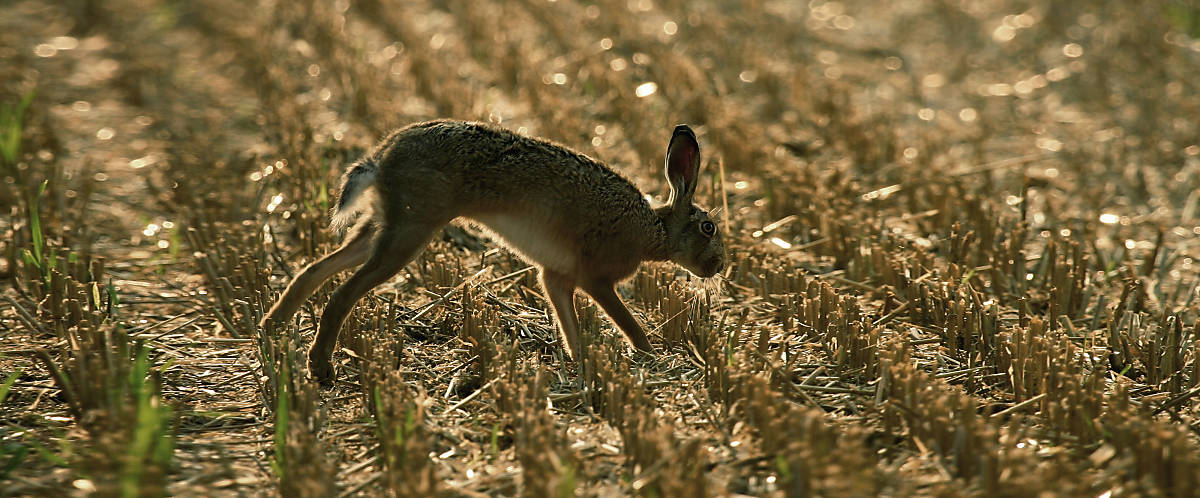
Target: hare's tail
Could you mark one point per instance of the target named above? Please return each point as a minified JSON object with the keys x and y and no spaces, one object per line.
{"x":355,"y":182}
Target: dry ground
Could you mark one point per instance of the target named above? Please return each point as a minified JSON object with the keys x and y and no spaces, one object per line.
{"x":963,"y":238}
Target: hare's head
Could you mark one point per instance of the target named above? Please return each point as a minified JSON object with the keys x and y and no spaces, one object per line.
{"x":693,"y":238}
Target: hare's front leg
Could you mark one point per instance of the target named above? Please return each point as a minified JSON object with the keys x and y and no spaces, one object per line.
{"x":560,"y":291}
{"x":605,"y":295}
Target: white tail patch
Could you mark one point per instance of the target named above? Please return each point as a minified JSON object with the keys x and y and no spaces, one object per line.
{"x":363,"y":202}
{"x":357,"y":180}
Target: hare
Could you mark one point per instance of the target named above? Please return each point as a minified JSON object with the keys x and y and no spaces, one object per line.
{"x":581,"y":223}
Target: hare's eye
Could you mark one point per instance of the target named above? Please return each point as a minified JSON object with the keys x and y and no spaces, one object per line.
{"x":708,"y":228}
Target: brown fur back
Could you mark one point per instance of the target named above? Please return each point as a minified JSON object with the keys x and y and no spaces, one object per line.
{"x":447,"y":169}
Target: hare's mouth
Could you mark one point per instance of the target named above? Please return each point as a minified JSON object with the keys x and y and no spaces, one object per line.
{"x":712,"y":267}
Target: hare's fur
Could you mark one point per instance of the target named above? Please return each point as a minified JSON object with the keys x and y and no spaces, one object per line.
{"x":583,"y":224}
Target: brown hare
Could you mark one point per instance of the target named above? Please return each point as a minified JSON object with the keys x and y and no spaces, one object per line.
{"x":581,"y":223}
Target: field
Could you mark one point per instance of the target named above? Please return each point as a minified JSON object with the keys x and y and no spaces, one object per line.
{"x":963,"y":244}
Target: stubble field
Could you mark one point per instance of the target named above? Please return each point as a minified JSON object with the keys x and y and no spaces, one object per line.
{"x":963,"y":244}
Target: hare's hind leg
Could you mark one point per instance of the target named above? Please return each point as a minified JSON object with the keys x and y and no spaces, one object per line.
{"x":352,"y":253}
{"x":394,"y":247}
{"x":560,"y":291}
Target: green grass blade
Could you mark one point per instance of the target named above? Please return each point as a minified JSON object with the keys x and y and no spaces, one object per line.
{"x":282,"y":411}
{"x":35,"y":227}
{"x":12,"y":125}
{"x":7,"y":385}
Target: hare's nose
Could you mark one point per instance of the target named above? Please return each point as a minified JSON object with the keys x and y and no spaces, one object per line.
{"x":714,"y":266}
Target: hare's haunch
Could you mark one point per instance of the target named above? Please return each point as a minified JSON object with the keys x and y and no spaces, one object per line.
{"x":584,"y":225}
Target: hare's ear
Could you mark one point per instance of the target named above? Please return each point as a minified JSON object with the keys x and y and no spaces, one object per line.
{"x":683,"y":166}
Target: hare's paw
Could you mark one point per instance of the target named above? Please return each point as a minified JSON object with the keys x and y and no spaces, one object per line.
{"x":321,"y":369}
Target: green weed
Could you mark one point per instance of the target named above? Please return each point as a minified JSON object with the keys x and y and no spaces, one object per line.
{"x":12,"y":128}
